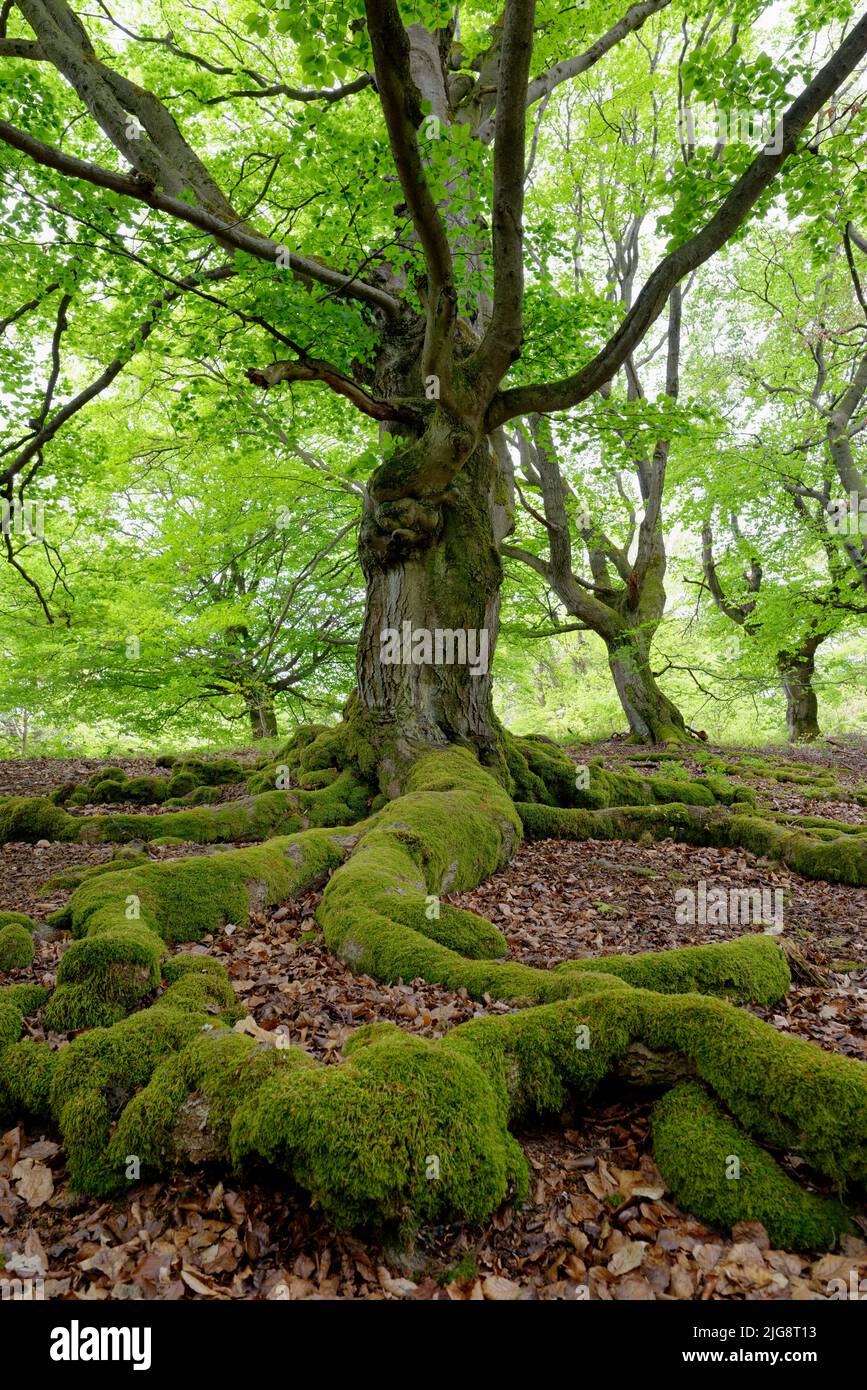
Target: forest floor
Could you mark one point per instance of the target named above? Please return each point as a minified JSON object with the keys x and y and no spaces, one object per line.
{"x":599,"y":1215}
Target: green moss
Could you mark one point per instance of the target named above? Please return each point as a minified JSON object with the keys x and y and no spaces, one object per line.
{"x":121,"y":920}
{"x":199,"y":796}
{"x":317,"y":752}
{"x":401,"y":1133}
{"x":11,"y":1021}
{"x":467,"y":933}
{"x":842,"y":858}
{"x":699,"y":1148}
{"x":72,"y":878}
{"x":251,"y":818}
{"x":109,"y":773}
{"x":200,"y":984}
{"x":20,"y":917}
{"x":216,"y":1069}
{"x":16,"y":947}
{"x":788,"y":1093}
{"x":25,"y":1080}
{"x":324,"y":777}
{"x":216,"y":772}
{"x":26,"y":997}
{"x":362,"y":1135}
{"x":752,"y":969}
{"x":541,"y":772}
{"x":181,"y":784}
{"x":108,"y":790}
{"x":102,"y":977}
{"x":95,"y":1078}
{"x":32,"y":818}
{"x":146,"y":790}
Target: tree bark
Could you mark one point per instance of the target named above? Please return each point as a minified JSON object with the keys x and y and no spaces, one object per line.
{"x":433,"y":574}
{"x":653,"y":718}
{"x":802,"y":707}
{"x":263,"y":718}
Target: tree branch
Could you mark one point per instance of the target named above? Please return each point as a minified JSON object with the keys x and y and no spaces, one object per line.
{"x":545,"y":83}
{"x":130,"y":186}
{"x":735,"y":208}
{"x":314,"y":369}
{"x":401,"y":106}
{"x":502,"y":340}
{"x":280,"y":89}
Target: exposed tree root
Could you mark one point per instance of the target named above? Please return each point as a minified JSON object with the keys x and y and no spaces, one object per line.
{"x":842,"y":858}
{"x":406,"y":1131}
{"x":190,"y":783}
{"x":253,"y":818}
{"x":694,"y":1142}
{"x":123,"y":920}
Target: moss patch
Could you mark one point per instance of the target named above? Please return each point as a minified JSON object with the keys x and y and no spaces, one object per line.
{"x":714,"y":1168}
{"x":16,"y":947}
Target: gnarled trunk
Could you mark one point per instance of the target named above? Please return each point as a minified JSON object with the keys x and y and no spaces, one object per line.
{"x":433,"y":577}
{"x":653,"y":718}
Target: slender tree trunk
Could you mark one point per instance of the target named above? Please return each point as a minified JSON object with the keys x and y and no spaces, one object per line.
{"x":653,"y":718}
{"x":802,"y":707}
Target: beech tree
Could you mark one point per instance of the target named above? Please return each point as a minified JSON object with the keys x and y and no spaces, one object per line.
{"x":361,"y":230}
{"x":782,"y":542}
{"x":443,"y":319}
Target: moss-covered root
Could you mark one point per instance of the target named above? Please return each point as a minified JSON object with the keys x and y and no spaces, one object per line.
{"x":123,"y":920}
{"x":85,"y":1086}
{"x":381,"y":912}
{"x":17,"y":1002}
{"x":715,"y":1169}
{"x":841,"y":859}
{"x":406,"y":1131}
{"x":32,"y":818}
{"x":343,"y":802}
{"x":541,"y":772}
{"x":401,"y":1133}
{"x":318,"y":755}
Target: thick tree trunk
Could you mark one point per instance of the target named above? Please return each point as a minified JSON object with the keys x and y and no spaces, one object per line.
{"x":802,"y":707}
{"x":433,"y":577}
{"x":263,"y":719}
{"x":653,"y":718}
